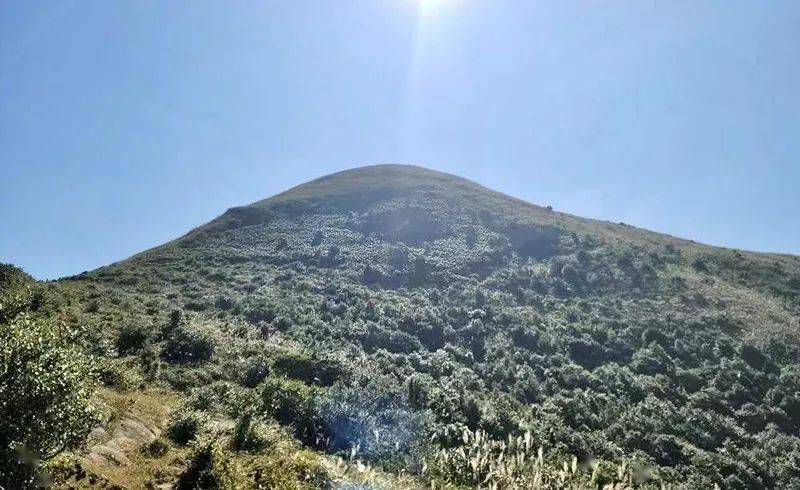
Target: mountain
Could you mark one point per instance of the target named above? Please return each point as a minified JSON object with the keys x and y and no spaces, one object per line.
{"x":429,"y":329}
{"x":393,"y":218}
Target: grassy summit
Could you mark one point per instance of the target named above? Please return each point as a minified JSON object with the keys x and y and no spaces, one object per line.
{"x":433,"y":330}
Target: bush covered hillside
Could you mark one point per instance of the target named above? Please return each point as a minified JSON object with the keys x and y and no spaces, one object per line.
{"x":392,"y":326}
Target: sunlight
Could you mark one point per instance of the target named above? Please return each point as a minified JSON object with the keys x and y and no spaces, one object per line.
{"x":427,"y":31}
{"x":428,"y":7}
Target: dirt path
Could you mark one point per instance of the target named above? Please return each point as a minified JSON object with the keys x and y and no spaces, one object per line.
{"x":114,"y":458}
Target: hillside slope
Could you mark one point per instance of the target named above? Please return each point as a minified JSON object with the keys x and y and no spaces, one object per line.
{"x":413,"y":320}
{"x":440,"y":218}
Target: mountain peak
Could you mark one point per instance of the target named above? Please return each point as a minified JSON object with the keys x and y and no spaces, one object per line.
{"x":372,"y":179}
{"x":424,"y":193}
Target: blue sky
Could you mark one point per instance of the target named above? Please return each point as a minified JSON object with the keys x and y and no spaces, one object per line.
{"x":125,"y":124}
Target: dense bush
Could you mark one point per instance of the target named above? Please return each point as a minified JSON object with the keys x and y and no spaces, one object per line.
{"x":220,"y":397}
{"x":211,"y":467}
{"x":256,"y":371}
{"x":116,"y":374}
{"x":252,"y":435}
{"x":188,"y":344}
{"x":291,"y":402}
{"x":131,"y":339}
{"x":307,"y":368}
{"x":185,"y":426}
{"x":16,"y":291}
{"x":45,"y":386}
{"x":296,"y":470}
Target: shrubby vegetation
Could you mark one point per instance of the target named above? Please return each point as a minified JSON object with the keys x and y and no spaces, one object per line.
{"x":187,"y":344}
{"x":478,"y":461}
{"x":186,"y":426}
{"x":45,"y":387}
{"x":415,"y":323}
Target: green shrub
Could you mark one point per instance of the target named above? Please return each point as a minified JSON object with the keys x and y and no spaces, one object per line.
{"x":45,"y":393}
{"x":754,"y":357}
{"x":586,"y":352}
{"x":255,"y":373}
{"x":117,"y":374}
{"x":256,"y":312}
{"x":16,"y":291}
{"x":295,"y":470}
{"x":394,"y":341}
{"x":252,"y":435}
{"x":221,"y":397}
{"x":185,"y":426}
{"x":241,"y":432}
{"x":176,"y":319}
{"x":689,"y":379}
{"x":210,"y":467}
{"x":291,"y":402}
{"x":302,"y":366}
{"x":224,"y":302}
{"x":131,"y":339}
{"x":282,"y":323}
{"x":651,"y":360}
{"x":187,"y":344}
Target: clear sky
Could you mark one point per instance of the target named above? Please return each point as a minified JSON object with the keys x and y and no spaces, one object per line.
{"x":125,"y":124}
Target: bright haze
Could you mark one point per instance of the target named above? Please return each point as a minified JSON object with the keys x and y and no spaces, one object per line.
{"x":125,"y":124}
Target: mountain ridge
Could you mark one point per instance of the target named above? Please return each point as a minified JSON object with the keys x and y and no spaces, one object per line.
{"x":389,"y":175}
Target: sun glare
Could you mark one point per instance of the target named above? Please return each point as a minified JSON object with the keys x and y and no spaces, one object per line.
{"x":429,"y":6}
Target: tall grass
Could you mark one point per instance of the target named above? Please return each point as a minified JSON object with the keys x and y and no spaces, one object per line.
{"x":478,"y":461}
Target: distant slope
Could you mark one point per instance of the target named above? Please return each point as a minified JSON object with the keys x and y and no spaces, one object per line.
{"x":438,"y":204}
{"x":414,"y":319}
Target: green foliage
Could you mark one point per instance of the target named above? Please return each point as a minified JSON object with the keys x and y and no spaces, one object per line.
{"x":223,"y":397}
{"x":295,"y":470}
{"x":16,"y":291}
{"x":186,"y":425}
{"x":291,"y":402}
{"x":210,"y":467}
{"x":131,"y":339}
{"x":188,"y":344}
{"x":45,"y":386}
{"x":252,"y":435}
{"x":120,"y":375}
{"x":256,"y":371}
{"x":317,"y":370}
{"x":157,"y":448}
